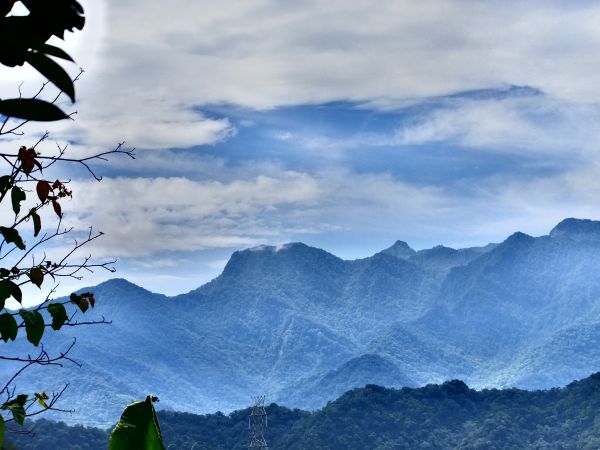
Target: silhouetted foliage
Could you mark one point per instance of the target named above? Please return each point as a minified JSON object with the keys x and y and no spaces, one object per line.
{"x":27,"y":190}
{"x":23,"y":39}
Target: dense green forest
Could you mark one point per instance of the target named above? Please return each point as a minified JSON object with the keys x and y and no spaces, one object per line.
{"x":374,"y":418}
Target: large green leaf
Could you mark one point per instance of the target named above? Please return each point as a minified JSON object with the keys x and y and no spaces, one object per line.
{"x":138,"y":428}
{"x":17,"y":195}
{"x":34,"y":325}
{"x":17,"y":407}
{"x":51,"y":70}
{"x":11,"y":235}
{"x":59,"y":315}
{"x":8,"y":327}
{"x":31,"y":109}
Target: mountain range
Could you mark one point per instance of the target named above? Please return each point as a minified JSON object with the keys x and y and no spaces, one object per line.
{"x":303,"y":326}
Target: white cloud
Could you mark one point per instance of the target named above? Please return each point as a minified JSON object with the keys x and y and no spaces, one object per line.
{"x":143,"y":216}
{"x":263,"y":53}
{"x":537,"y":124}
{"x":150,"y":64}
{"x":146,"y":216}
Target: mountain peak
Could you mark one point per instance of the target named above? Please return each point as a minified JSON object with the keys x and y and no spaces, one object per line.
{"x":400,"y":249}
{"x":577,"y":229}
{"x":257,"y":261}
{"x":519,"y":237}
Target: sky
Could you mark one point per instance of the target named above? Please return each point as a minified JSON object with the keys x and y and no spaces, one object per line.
{"x":344,"y":125}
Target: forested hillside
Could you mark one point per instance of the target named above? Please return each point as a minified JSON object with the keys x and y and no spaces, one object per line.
{"x":305,"y":326}
{"x":447,"y":416}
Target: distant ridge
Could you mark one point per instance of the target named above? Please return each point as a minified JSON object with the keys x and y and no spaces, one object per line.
{"x":303,"y":325}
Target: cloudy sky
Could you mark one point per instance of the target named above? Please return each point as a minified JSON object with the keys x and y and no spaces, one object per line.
{"x":345,"y":125}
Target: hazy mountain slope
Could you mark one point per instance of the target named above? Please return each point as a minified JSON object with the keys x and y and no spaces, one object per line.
{"x":293,"y":320}
{"x":357,"y":372}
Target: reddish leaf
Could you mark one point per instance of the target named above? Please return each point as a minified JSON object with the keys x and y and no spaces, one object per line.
{"x":57,"y":184}
{"x":57,"y":208}
{"x":27,"y":158}
{"x":43,"y":189}
{"x":92,"y":300}
{"x":80,"y":301}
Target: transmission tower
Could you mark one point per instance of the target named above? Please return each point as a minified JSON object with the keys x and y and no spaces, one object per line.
{"x":257,"y":422}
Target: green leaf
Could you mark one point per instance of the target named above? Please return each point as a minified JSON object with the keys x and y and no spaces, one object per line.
{"x":9,"y":288}
{"x":138,"y":428}
{"x":17,"y":195}
{"x":34,"y":325}
{"x":51,"y":70}
{"x":2,"y":431}
{"x":59,"y":315}
{"x":37,"y":223}
{"x":41,"y":398}
{"x":17,"y":407}
{"x":54,"y":51}
{"x":31,"y":109}
{"x":11,"y":235}
{"x":36,"y":275}
{"x":8,"y":327}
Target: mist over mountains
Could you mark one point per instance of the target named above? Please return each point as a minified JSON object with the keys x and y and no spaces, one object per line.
{"x":303,"y":326}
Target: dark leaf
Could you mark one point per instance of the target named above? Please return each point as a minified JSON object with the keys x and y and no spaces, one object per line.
{"x":4,"y":291}
{"x":36,"y":275}
{"x":17,"y":195}
{"x":51,"y":70}
{"x":80,"y":301}
{"x":8,"y":327}
{"x":8,"y":288}
{"x":37,"y":223}
{"x":4,"y":273}
{"x":31,"y":109}
{"x":59,"y":315}
{"x":54,"y":51}
{"x":17,"y":407}
{"x":57,"y":208}
{"x":5,"y":183}
{"x":43,"y":189}
{"x":34,"y":325}
{"x":11,"y":235}
{"x":27,"y":159}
